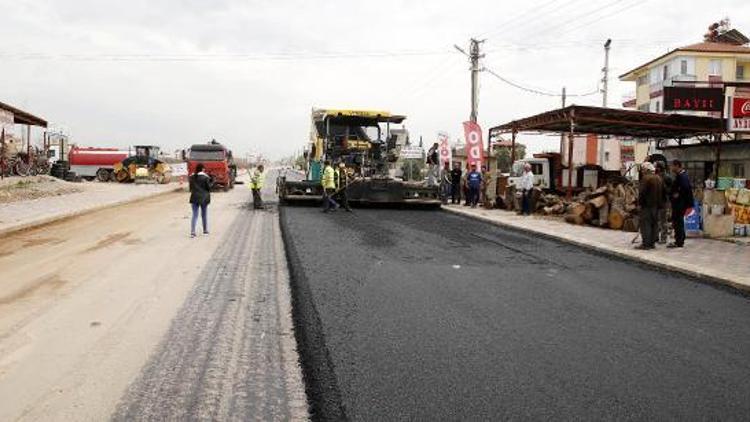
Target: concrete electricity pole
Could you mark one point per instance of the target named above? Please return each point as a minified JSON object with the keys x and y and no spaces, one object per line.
{"x":474,"y":56}
{"x":605,"y":70}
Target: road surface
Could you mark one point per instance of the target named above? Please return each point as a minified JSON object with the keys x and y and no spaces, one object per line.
{"x":423,"y":315}
{"x":120,"y":314}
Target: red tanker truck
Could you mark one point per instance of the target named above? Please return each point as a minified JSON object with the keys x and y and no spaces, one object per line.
{"x":97,"y":163}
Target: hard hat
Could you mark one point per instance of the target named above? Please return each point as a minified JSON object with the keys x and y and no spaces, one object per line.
{"x":342,"y":165}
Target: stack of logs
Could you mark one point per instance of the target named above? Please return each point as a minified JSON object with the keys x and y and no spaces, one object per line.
{"x":613,"y":206}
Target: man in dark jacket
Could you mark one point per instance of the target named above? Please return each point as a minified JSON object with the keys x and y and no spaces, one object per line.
{"x":681,"y":196}
{"x":650,"y":199}
{"x":200,"y":197}
{"x":456,"y":174}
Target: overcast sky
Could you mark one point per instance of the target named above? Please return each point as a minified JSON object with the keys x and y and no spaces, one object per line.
{"x":177,"y":72}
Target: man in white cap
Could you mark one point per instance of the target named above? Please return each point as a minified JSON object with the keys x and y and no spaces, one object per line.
{"x":526,"y":184}
{"x":650,"y":199}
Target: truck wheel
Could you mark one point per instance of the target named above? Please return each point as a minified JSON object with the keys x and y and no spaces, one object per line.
{"x":122,"y":176}
{"x":102,"y":175}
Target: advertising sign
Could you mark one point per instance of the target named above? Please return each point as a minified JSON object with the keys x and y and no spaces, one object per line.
{"x":445,"y":148}
{"x":739,"y":115}
{"x":693,"y":99}
{"x":474,"y":144}
{"x":410,"y":152}
{"x":179,"y":169}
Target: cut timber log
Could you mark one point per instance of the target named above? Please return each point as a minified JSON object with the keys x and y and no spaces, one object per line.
{"x":574,"y":219}
{"x":616,"y":218}
{"x":576,"y":209}
{"x":599,"y":201}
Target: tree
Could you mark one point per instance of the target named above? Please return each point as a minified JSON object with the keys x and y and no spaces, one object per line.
{"x":412,"y":168}
{"x":502,"y":153}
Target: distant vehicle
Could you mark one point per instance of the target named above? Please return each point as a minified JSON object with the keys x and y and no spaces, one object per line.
{"x":146,"y":157}
{"x":364,"y":142}
{"x":217,"y":161}
{"x":98,"y":163}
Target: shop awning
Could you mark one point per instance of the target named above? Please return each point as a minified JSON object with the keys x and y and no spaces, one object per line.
{"x":615,"y":122}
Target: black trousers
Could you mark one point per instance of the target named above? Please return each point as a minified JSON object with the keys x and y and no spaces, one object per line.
{"x":257,"y":199}
{"x":649,"y":222}
{"x":456,"y":193}
{"x":678,"y":224}
{"x":343,"y":199}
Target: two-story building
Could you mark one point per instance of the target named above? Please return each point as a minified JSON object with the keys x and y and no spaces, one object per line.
{"x":721,"y":58}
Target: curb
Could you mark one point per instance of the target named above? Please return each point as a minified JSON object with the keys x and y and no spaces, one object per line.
{"x":707,"y":276}
{"x":65,"y":216}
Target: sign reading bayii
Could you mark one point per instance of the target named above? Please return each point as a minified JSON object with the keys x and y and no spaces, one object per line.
{"x":739,"y":115}
{"x":693,"y":99}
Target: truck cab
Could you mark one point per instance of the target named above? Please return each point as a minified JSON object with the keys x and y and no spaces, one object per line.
{"x":539,"y":166}
{"x":217,"y":161}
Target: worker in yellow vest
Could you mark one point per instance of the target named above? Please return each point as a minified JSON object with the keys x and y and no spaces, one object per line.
{"x":328,"y":180}
{"x":256,"y":184}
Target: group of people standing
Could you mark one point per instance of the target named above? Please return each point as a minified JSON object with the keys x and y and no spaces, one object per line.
{"x":455,"y":184}
{"x":661,"y":192}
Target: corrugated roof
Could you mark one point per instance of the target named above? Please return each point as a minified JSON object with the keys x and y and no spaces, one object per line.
{"x":22,"y":117}
{"x":701,"y":47}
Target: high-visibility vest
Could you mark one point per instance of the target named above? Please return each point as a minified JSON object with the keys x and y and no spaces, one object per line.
{"x":256,"y":181}
{"x":328,"y":180}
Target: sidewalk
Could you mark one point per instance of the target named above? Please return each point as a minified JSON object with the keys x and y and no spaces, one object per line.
{"x":21,"y":215}
{"x":719,"y":261}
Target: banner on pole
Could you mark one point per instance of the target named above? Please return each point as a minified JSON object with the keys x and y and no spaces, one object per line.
{"x":445,"y":148}
{"x":474,"y":144}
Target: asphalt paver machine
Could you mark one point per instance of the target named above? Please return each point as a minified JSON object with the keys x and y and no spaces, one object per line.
{"x":364,"y":142}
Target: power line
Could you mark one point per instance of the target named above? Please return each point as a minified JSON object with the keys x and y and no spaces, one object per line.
{"x":572,"y":19}
{"x":515,"y":19}
{"x":149,"y":57}
{"x":537,"y":91}
{"x":539,"y":20}
{"x":600,"y":18}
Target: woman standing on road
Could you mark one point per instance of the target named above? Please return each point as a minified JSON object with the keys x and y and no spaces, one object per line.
{"x":200,"y":197}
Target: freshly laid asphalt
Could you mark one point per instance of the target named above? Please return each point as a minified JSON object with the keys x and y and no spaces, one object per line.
{"x":423,"y":315}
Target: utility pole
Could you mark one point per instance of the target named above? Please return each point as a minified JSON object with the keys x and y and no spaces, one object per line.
{"x":474,"y":55}
{"x":605,"y":70}
{"x":562,"y":135}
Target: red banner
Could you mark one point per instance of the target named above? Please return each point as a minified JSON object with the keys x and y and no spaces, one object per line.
{"x":474,"y":144}
{"x":445,"y":148}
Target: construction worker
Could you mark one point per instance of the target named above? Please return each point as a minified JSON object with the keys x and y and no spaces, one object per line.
{"x":342,"y":184}
{"x":256,"y":184}
{"x":328,"y":180}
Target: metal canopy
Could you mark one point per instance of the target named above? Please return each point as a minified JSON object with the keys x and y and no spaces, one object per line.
{"x":616,"y":122}
{"x":23,"y":118}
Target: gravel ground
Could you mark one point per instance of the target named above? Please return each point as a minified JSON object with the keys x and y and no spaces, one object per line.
{"x":14,"y":189}
{"x":407,"y":315}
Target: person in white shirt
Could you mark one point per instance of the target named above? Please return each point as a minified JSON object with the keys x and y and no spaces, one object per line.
{"x":526,"y":184}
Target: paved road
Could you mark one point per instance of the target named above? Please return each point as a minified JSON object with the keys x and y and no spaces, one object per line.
{"x":422,"y":315}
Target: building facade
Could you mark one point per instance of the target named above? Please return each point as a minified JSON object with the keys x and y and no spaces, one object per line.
{"x":724,"y":57}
